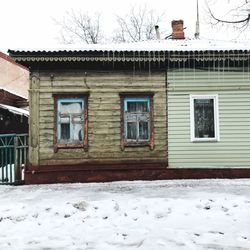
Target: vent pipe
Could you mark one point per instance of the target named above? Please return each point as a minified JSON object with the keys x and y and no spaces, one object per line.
{"x":157,"y":31}
{"x":197,"y":26}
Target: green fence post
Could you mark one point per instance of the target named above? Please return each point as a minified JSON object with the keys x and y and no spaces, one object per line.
{"x":15,"y":158}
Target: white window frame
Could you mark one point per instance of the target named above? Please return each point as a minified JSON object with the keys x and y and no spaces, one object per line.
{"x":216,"y":118}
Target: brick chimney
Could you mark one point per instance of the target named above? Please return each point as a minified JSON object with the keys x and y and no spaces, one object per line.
{"x":177,"y":27}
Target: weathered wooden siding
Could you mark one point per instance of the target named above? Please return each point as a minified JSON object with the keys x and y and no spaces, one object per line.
{"x":103,"y":114}
{"x":233,"y":89}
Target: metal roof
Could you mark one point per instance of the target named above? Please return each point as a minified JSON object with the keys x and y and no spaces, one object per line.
{"x":13,"y":93}
{"x":15,"y":110}
{"x":152,"y":45}
{"x":147,"y":51}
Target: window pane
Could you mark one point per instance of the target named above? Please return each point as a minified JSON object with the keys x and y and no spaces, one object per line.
{"x":137,"y":106}
{"x":65,"y":131}
{"x":71,"y":107}
{"x":77,"y":119}
{"x":70,"y":121}
{"x":77,"y":132}
{"x":142,"y":106}
{"x":137,"y":119}
{"x":143,"y":130}
{"x":204,"y":118}
{"x":64,"y":119}
{"x":131,"y":130}
{"x":131,"y":106}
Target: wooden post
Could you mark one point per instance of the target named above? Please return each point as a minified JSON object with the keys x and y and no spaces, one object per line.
{"x":34,"y":120}
{"x":16,"y":167}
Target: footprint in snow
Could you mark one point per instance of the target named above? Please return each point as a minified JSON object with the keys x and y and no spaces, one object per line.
{"x":82,"y":205}
{"x":161,"y":215}
{"x":161,"y":243}
{"x":196,"y":234}
{"x":224,"y":209}
{"x":207,"y":207}
{"x":35,"y":215}
{"x":216,"y":232}
{"x":116,"y":207}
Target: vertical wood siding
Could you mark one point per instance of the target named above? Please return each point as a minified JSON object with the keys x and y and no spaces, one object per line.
{"x":103,"y":114}
{"x":233,"y":89}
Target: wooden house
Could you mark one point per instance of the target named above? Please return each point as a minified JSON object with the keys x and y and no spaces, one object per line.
{"x":176,"y":108}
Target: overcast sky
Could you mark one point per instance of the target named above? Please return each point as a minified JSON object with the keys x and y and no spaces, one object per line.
{"x":30,"y":23}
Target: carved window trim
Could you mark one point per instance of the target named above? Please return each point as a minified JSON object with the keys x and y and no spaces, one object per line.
{"x":84,"y":143}
{"x":216,"y":137}
{"x":140,"y":143}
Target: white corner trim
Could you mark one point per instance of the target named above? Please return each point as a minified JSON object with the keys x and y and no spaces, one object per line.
{"x":216,"y":118}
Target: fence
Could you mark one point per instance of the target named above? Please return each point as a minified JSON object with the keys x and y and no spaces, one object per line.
{"x":13,"y":157}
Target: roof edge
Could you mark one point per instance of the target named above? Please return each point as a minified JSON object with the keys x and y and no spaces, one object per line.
{"x":11,"y":60}
{"x":13,"y":93}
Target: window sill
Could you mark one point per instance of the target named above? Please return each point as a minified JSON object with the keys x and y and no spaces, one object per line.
{"x":70,"y":146}
{"x":204,"y":140}
{"x":137,"y":144}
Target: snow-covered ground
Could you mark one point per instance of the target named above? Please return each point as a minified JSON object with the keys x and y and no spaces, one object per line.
{"x":169,"y":215}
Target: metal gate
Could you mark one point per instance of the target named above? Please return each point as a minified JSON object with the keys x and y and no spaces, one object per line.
{"x":13,"y":158}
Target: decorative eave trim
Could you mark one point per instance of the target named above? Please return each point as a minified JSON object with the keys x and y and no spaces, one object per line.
{"x":89,"y":59}
{"x":148,"y":56}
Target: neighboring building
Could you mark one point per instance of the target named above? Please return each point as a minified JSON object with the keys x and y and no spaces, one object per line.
{"x":13,"y":118}
{"x":14,"y":84}
{"x":147,"y":110}
{"x":14,"y":77}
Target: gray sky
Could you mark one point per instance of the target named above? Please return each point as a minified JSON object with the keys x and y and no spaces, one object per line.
{"x":30,"y":24}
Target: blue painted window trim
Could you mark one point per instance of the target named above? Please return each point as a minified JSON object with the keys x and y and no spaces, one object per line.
{"x":134,"y":99}
{"x":67,"y":100}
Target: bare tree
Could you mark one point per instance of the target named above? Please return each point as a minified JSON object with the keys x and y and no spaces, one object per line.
{"x":137,"y":25}
{"x":80,"y":27}
{"x":238,"y":13}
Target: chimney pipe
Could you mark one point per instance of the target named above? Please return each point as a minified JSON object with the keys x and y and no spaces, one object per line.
{"x":157,"y":32}
{"x":177,"y":29}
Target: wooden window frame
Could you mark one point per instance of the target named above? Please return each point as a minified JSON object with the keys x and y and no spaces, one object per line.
{"x":216,"y":138}
{"x":149,"y":142}
{"x":84,"y":143}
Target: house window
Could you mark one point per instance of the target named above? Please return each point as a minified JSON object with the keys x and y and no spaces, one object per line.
{"x":137,"y":120}
{"x":204,"y":118}
{"x":71,"y":121}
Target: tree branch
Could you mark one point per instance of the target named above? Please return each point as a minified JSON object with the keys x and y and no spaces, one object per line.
{"x":227,"y":21}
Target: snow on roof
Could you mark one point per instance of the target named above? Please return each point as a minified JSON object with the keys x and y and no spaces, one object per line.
{"x":152,"y":45}
{"x":13,"y":93}
{"x":15,"y":110}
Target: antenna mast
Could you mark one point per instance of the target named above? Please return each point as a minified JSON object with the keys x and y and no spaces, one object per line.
{"x":197,"y":26}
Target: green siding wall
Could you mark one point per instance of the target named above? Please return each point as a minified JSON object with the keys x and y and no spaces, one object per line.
{"x":233,"y":89}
